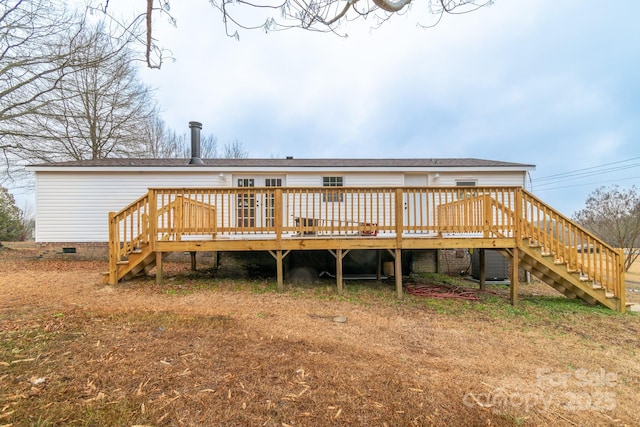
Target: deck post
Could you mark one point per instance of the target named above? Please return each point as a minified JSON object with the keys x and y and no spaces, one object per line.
{"x":398,"y":272}
{"x":379,"y":266}
{"x":620,"y":288}
{"x":158,"y":268}
{"x":153,"y":219}
{"x":513,"y":287}
{"x":113,"y":262}
{"x":517,"y":216}
{"x":399,"y":218}
{"x":483,"y":269}
{"x":193,"y":261}
{"x":279,"y":270}
{"x":339,"y":271}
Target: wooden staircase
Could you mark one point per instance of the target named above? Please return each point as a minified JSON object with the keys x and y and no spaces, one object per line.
{"x":556,"y":273}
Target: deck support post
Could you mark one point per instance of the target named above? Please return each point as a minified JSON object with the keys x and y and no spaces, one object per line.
{"x":398,"y":272}
{"x":193,"y":261}
{"x":279,"y":257}
{"x":483,"y":269}
{"x":158,"y":268}
{"x":113,"y":263}
{"x":379,"y":266}
{"x":339,"y":279}
{"x":513,"y":288}
{"x":279,"y":271}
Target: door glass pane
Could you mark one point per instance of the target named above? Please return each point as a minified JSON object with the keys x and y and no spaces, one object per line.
{"x":270,"y":201}
{"x":246,"y":204}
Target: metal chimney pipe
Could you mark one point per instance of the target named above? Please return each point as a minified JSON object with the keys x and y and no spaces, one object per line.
{"x":195,"y":143}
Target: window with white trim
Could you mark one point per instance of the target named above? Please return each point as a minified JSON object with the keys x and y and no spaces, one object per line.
{"x":332,"y":181}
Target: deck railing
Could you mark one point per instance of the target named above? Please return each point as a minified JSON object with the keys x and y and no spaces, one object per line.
{"x":128,"y":232}
{"x":569,"y":243}
{"x":169,"y":214}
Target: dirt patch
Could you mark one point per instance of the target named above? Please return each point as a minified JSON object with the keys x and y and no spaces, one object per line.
{"x":208,"y":351}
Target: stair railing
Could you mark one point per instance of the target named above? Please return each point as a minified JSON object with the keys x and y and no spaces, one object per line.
{"x":571,"y":244}
{"x":128,"y":232}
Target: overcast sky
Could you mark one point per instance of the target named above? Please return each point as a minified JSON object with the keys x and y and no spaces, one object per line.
{"x":555,"y":84}
{"x":545,"y":82}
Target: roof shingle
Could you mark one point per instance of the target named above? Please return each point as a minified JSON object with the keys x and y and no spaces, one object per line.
{"x":288,"y":163}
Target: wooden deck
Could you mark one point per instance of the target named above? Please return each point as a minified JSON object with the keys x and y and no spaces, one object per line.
{"x":339,"y":219}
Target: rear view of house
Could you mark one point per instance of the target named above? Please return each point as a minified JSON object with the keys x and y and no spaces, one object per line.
{"x":287,"y":205}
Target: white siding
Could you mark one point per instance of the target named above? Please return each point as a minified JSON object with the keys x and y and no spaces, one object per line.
{"x":351,"y":179}
{"x":74,"y":207}
{"x":304,"y":180}
{"x":483,"y":179}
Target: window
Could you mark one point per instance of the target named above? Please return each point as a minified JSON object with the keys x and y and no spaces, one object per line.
{"x":273,"y":182}
{"x":245,"y":182}
{"x":466,"y":194}
{"x":332,"y":196}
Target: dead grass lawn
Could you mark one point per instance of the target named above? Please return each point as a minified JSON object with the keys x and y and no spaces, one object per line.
{"x":205,"y":351}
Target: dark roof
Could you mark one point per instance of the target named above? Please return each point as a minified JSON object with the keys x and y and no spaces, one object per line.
{"x":283,"y":163}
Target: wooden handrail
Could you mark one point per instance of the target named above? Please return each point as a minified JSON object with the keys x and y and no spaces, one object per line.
{"x":128,"y":231}
{"x":572,"y":244}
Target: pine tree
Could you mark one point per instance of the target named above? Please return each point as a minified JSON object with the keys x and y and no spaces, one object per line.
{"x":11,"y":218}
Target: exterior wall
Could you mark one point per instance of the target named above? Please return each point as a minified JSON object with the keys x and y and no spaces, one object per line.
{"x":74,"y":250}
{"x":351,"y":179}
{"x":454,"y":262}
{"x":424,"y":261}
{"x":74,"y":206}
{"x":449,"y":179}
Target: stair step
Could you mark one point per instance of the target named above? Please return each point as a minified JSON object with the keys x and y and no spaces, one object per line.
{"x":123,"y":262}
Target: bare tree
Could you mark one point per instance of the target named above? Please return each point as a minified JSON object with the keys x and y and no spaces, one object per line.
{"x":614,"y":216}
{"x":155,"y":134}
{"x":38,"y":39}
{"x":158,"y":141}
{"x":98,"y":111}
{"x":313,"y":15}
{"x":235,"y":150}
{"x":182,"y":145}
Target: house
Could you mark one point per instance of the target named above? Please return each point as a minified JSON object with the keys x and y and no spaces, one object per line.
{"x":74,"y":198}
{"x":288,"y":205}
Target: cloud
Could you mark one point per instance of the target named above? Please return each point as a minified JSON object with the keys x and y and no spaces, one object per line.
{"x":534,"y":81}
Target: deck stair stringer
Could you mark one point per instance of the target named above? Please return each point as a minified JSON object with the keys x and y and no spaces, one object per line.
{"x":543,"y":265}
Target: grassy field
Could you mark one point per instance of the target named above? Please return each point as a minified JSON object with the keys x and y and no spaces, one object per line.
{"x":203,"y":350}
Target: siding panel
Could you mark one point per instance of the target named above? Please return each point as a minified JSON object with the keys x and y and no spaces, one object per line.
{"x":74,"y":206}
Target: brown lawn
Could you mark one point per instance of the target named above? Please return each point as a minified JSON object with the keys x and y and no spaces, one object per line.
{"x":202,"y":350}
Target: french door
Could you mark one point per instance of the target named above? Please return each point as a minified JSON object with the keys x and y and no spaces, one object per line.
{"x":257,"y":208}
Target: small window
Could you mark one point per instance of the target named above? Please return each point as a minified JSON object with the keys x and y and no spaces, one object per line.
{"x":273,"y":182}
{"x":246,"y":182}
{"x":332,"y":196}
{"x":466,"y":194}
